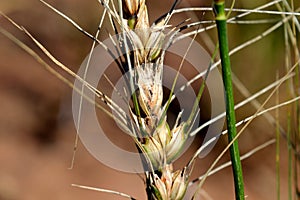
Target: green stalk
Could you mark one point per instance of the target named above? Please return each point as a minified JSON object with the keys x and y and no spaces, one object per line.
{"x":277,"y":155}
{"x":219,"y":6}
{"x":290,"y":167}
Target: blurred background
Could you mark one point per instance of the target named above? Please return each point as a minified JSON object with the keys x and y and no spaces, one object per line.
{"x":37,"y":131}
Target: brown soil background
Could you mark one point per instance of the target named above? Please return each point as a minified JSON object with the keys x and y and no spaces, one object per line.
{"x":37,"y":131}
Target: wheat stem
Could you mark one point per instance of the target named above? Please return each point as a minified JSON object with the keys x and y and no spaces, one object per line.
{"x":230,"y":113}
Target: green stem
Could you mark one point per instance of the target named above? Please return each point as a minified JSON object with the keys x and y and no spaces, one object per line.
{"x":290,"y":167}
{"x":219,"y":6}
{"x":277,"y":156}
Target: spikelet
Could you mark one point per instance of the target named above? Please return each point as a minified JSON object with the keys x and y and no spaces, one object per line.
{"x":170,"y":186}
{"x":161,"y":144}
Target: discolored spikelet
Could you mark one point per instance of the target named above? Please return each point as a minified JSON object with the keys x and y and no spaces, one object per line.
{"x":161,"y":145}
{"x":170,"y":186}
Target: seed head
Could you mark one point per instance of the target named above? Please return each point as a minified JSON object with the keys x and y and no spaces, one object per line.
{"x":170,"y":186}
{"x":150,"y":92}
{"x":131,"y":7}
{"x":135,"y":11}
{"x":160,"y":144}
{"x":164,"y":145}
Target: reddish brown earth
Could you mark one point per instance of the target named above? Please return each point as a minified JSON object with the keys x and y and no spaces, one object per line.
{"x":37,"y":131}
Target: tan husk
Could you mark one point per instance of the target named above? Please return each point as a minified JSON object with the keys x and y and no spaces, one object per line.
{"x":161,"y":144}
